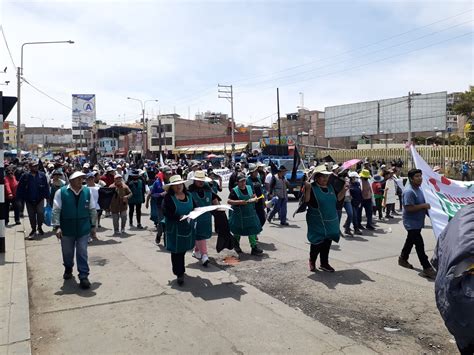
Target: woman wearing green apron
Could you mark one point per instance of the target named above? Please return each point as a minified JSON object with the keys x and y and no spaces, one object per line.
{"x":180,"y":235}
{"x":322,"y":217}
{"x":202,"y":197}
{"x":243,"y":219}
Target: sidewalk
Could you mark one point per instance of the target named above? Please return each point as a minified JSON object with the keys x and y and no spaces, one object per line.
{"x":135,"y":306}
{"x":14,"y":307}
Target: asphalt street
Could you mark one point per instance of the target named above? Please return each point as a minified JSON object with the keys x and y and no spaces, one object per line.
{"x":369,"y":304}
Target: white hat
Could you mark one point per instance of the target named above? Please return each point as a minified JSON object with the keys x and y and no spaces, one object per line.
{"x":252,"y":167}
{"x":86,"y":165}
{"x":76,"y":174}
{"x":119,"y":167}
{"x":174,"y":180}
{"x":109,"y":169}
{"x":334,"y":167}
{"x":50,"y":165}
{"x":353,"y":174}
{"x":200,"y":175}
{"x":321,"y":169}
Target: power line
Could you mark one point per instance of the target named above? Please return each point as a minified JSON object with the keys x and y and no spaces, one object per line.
{"x":46,"y":94}
{"x":8,"y":48}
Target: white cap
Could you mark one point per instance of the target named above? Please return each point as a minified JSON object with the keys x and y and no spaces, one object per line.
{"x":86,"y":165}
{"x":76,"y":174}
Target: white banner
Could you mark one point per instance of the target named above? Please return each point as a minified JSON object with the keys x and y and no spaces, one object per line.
{"x":445,"y":196}
{"x":224,"y":174}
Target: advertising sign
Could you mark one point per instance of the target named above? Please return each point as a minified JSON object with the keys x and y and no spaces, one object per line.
{"x":83,"y":110}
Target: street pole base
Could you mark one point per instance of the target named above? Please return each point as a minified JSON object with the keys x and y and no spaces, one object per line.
{"x":2,"y":245}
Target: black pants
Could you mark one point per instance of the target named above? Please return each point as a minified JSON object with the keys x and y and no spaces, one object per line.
{"x":320,"y":249}
{"x":35,"y":214}
{"x":16,"y":210}
{"x":260,"y":209}
{"x":378,"y":208}
{"x":177,"y":261}
{"x":389,"y":209}
{"x":468,"y":350}
{"x":138,"y":208}
{"x":414,"y":238}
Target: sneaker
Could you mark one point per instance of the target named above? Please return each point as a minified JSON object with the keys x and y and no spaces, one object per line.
{"x":139,"y":226}
{"x":197,"y":255}
{"x":357,"y":231}
{"x":32,"y":235}
{"x":180,"y":280}
{"x":256,"y":251}
{"x":371,"y":228}
{"x":312,"y":265}
{"x":85,"y":283}
{"x":205,"y":260}
{"x":348,"y":233}
{"x":429,"y":273}
{"x":40,"y":231}
{"x":404,"y":263}
{"x":327,"y":268}
{"x":67,"y":274}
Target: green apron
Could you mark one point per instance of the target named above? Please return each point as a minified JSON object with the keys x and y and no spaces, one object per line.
{"x":180,"y":235}
{"x":323,"y":222}
{"x":204,"y":221}
{"x":243,"y":219}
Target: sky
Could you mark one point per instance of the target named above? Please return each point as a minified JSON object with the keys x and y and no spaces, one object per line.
{"x":327,"y":52}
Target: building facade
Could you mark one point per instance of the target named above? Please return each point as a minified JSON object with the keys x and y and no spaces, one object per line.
{"x":9,"y":135}
{"x":47,"y":137}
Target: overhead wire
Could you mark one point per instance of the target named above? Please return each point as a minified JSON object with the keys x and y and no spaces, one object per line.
{"x":8,"y":48}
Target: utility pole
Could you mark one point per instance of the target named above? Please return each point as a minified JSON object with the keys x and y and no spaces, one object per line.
{"x":226,"y":92}
{"x":409,"y":118}
{"x":159,"y":135}
{"x":278,"y":112}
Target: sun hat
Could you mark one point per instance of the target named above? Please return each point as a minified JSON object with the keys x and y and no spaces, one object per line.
{"x":378,"y":178}
{"x":174,"y":180}
{"x":109,"y":169}
{"x":260,"y":165}
{"x":201,"y":176}
{"x":365,"y":174}
{"x":353,"y":174}
{"x":86,"y":165}
{"x":241,"y":177}
{"x":321,"y":169}
{"x":334,"y":167}
{"x":90,"y":175}
{"x":76,"y":175}
{"x":252,"y":167}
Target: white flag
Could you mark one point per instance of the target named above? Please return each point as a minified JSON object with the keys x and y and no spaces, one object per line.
{"x":445,"y":196}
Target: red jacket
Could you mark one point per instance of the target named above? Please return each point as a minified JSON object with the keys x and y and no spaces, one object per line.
{"x":10,"y":187}
{"x":108,"y":179}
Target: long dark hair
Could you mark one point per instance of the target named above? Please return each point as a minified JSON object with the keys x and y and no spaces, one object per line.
{"x":171,"y":191}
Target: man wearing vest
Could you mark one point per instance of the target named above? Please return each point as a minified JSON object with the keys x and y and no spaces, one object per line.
{"x":74,"y":218}
{"x":279,"y":188}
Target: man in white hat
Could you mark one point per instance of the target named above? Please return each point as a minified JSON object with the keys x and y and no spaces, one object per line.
{"x":74,"y":219}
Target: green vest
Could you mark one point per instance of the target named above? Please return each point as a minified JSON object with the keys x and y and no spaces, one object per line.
{"x":323,"y":222}
{"x":137,"y":192}
{"x":243,"y":219}
{"x":180,"y":235}
{"x":75,"y":219}
{"x":204,"y":221}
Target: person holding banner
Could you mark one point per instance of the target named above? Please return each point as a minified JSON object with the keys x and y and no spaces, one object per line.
{"x":243,"y":219}
{"x":415,"y":209}
{"x":322,"y":218}
{"x":202,"y":197}
{"x":180,"y":235}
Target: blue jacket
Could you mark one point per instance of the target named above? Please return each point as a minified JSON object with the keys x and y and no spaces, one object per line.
{"x":356,"y":193}
{"x":33,"y":188}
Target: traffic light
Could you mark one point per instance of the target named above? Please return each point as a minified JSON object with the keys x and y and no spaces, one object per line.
{"x":7,"y":103}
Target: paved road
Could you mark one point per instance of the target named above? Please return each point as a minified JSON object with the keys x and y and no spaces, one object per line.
{"x":257,"y":305}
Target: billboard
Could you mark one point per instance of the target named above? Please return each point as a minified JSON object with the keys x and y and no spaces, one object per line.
{"x":428,"y":113}
{"x":83,"y":110}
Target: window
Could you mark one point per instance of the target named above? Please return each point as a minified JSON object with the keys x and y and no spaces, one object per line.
{"x":156,"y":141}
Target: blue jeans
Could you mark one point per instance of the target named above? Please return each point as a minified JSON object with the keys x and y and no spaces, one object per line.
{"x":68,"y":244}
{"x":356,"y":212}
{"x":350,"y":215}
{"x":367,"y":206}
{"x":281,"y":208}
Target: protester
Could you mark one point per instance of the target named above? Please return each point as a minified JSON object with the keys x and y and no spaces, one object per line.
{"x":119,"y":203}
{"x":137,"y":187}
{"x":465,"y":171}
{"x":202,"y":196}
{"x":279,"y":188}
{"x":11,"y":185}
{"x":55,"y":184}
{"x":337,"y":182}
{"x":378,"y":189}
{"x":156,"y":197}
{"x":74,"y":218}
{"x":243,"y":219}
{"x":348,"y":208}
{"x":254,"y":181}
{"x":108,"y":178}
{"x":356,"y":201}
{"x":322,"y":218}
{"x":367,"y":196}
{"x":33,"y":189}
{"x":180,"y":235}
{"x":390,"y":194}
{"x":94,"y":189}
{"x":233,"y":176}
{"x":414,"y":210}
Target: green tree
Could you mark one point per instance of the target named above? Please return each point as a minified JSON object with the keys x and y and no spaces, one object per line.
{"x":465,"y":107}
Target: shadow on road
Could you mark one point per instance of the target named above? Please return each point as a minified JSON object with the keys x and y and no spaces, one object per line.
{"x":344,"y":277}
{"x":104,"y":242}
{"x":267,"y":246}
{"x":203,"y":288}
{"x":71,"y":287}
{"x":355,"y":238}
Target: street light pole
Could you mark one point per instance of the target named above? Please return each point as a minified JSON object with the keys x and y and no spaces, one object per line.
{"x":144,"y":128}
{"x":19,"y":74}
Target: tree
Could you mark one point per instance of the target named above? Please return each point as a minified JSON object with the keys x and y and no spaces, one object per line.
{"x":465,"y":107}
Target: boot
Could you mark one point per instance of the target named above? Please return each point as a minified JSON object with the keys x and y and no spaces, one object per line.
{"x":237,"y":248}
{"x":256,"y":251}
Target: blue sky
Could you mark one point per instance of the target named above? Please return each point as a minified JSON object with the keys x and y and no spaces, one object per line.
{"x":334,"y":52}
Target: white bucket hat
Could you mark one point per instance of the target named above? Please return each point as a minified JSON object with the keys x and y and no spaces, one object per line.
{"x":175,"y":180}
{"x":200,"y":175}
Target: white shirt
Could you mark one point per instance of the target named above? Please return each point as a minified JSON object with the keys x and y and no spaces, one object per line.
{"x":268,"y":179}
{"x":58,"y":203}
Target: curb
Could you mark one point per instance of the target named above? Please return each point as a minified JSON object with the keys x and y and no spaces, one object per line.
{"x":15,"y":336}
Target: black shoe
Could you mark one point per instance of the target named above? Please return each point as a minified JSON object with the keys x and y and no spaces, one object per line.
{"x":67,"y":274}
{"x":180,"y":280}
{"x":348,"y":233}
{"x":85,"y":283}
{"x":371,"y":228}
{"x":40,"y":231}
{"x":238,"y":249}
{"x":269,"y":220}
{"x":361,"y":227}
{"x":158,"y":239}
{"x":357,"y":231}
{"x":327,"y":268}
{"x":284,"y":224}
{"x":256,"y":251}
{"x":139,"y":226}
{"x":32,"y":235}
{"x":17,"y":223}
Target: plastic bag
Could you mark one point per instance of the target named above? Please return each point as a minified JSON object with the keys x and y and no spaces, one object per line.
{"x":48,"y":215}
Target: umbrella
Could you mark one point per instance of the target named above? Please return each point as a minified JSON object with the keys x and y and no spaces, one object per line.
{"x":211,"y":156}
{"x":350,"y":163}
